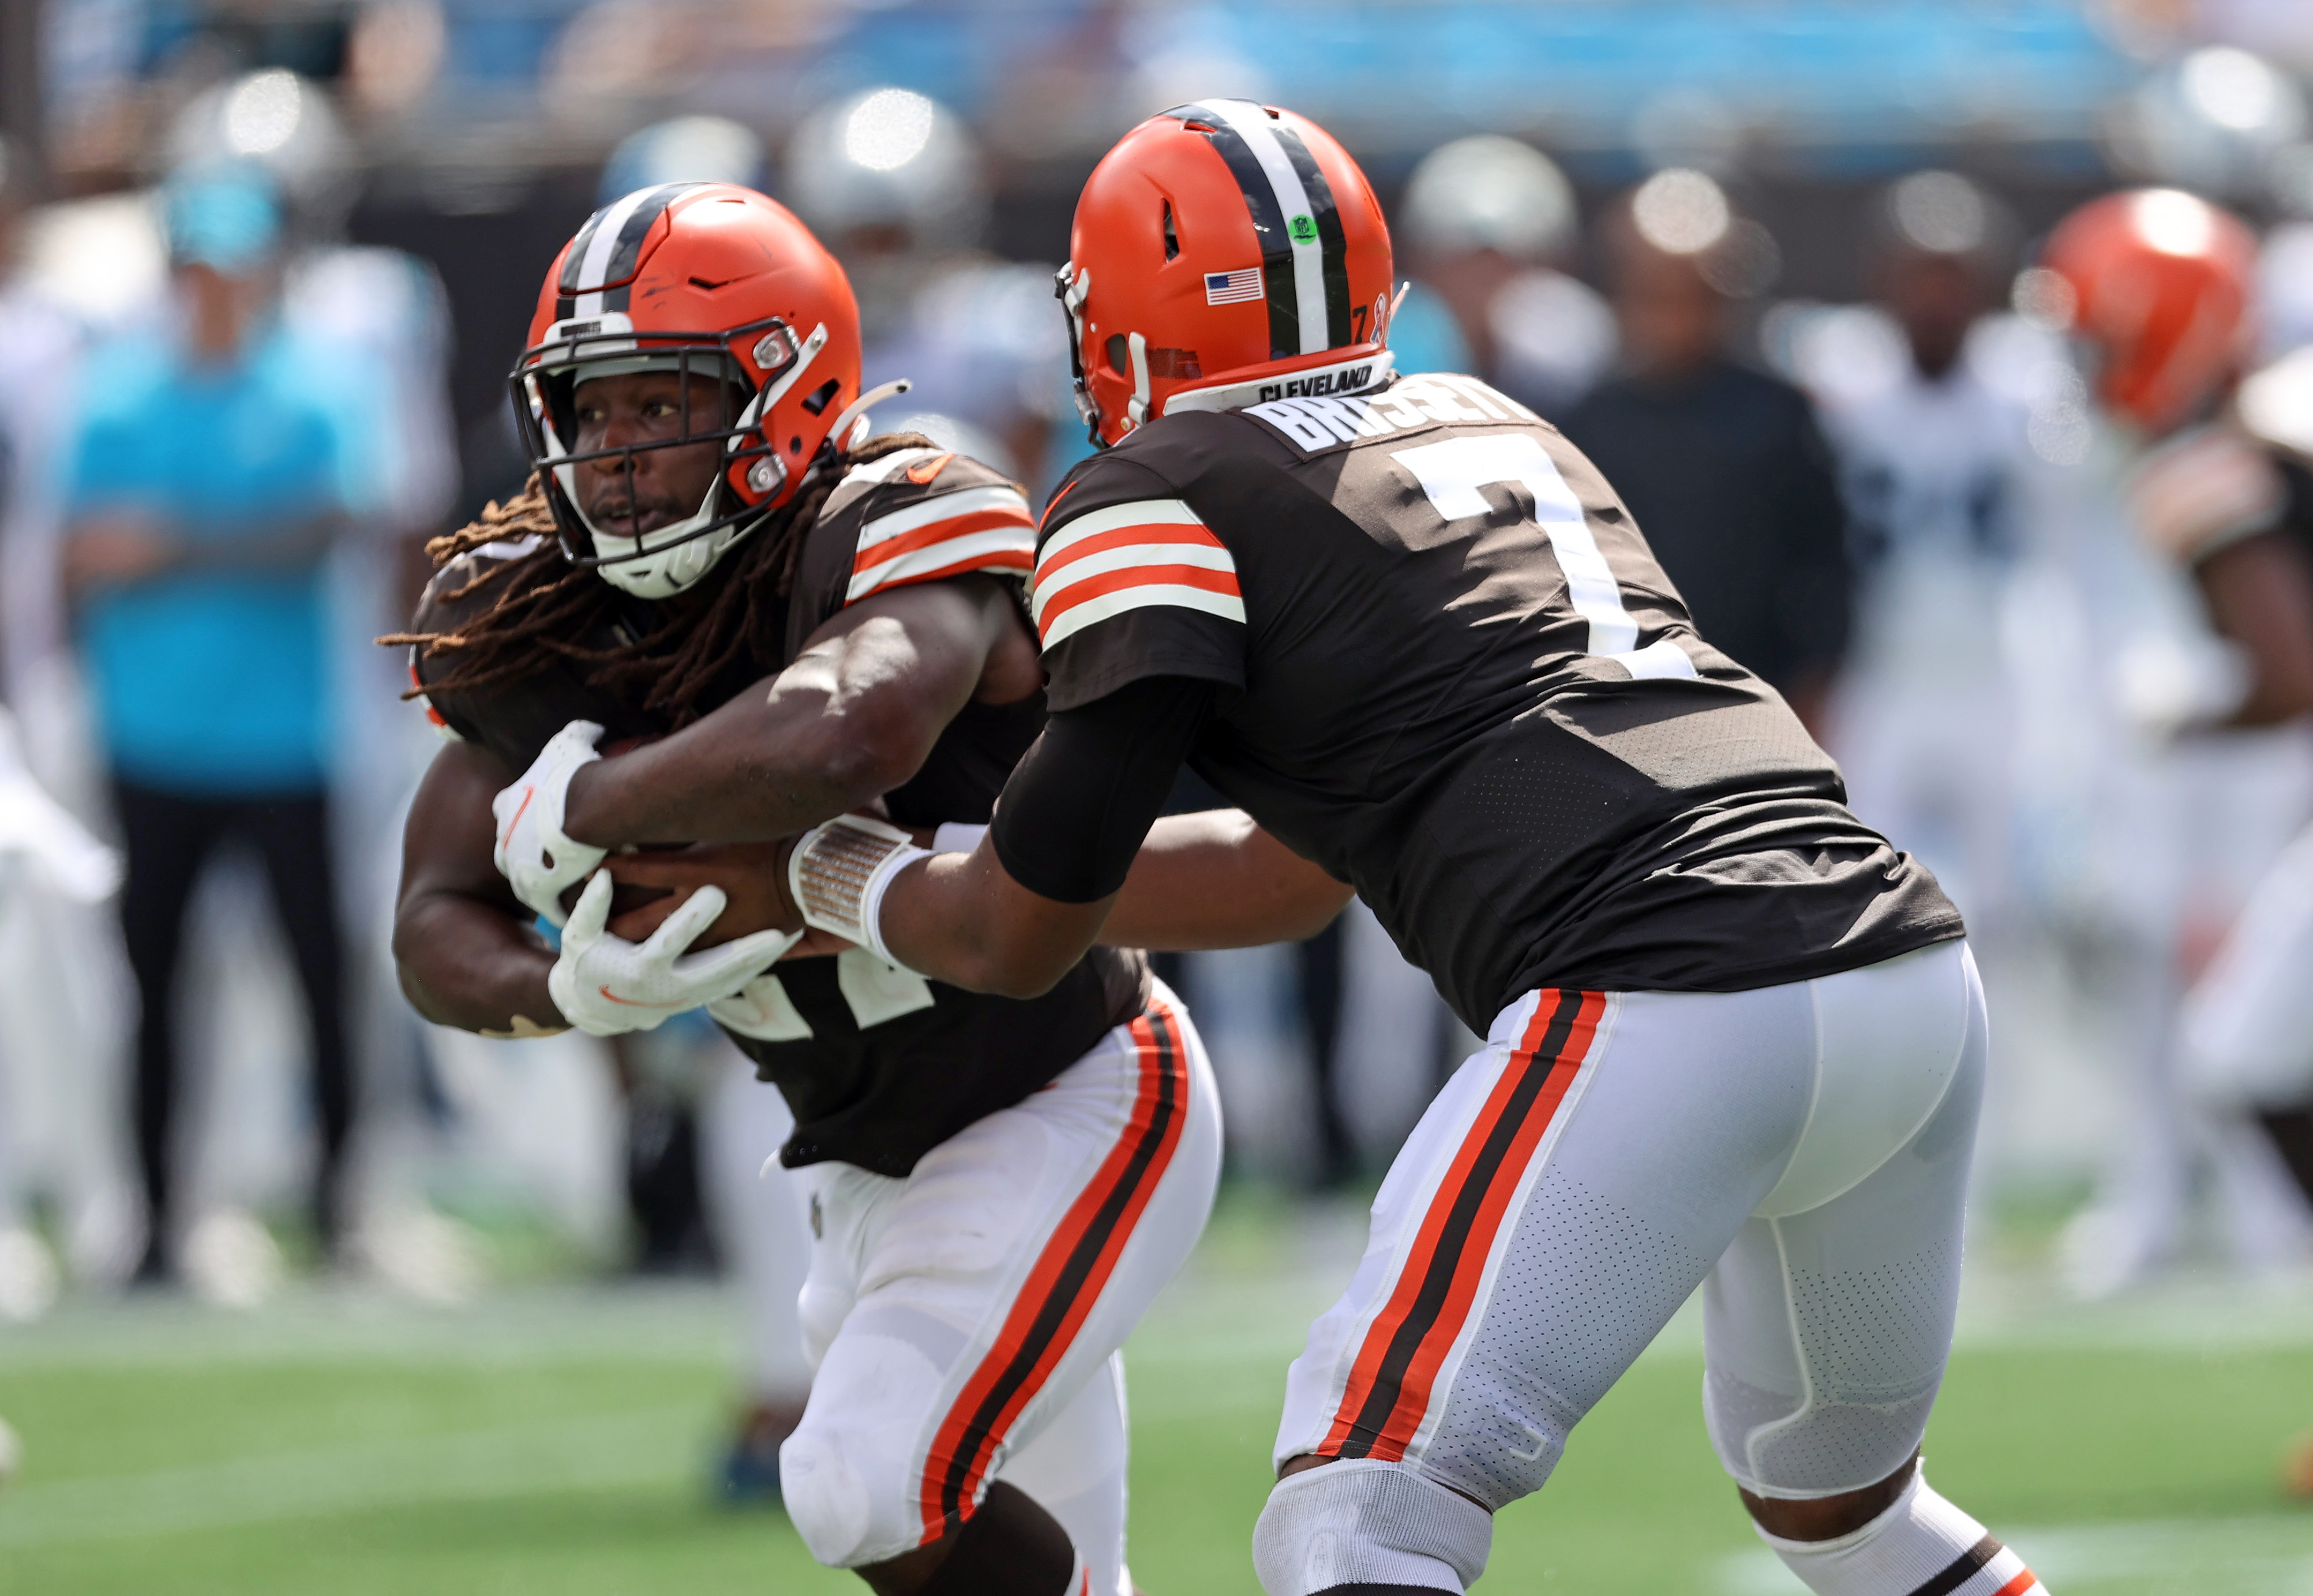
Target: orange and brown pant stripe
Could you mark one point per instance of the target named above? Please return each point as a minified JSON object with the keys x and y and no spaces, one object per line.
{"x":1065,"y":1281}
{"x":1392,"y":1383}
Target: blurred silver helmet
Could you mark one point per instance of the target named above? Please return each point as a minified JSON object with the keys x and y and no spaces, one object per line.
{"x":1942,"y":213}
{"x":276,"y":120}
{"x":2214,"y":121}
{"x":1489,"y":192}
{"x":683,"y":150}
{"x":888,"y":157}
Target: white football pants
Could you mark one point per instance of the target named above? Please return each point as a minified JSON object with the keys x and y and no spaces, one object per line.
{"x":1799,"y":1151}
{"x":965,"y":1320}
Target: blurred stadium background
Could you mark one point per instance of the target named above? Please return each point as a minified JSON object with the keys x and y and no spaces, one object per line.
{"x":522,"y":1383}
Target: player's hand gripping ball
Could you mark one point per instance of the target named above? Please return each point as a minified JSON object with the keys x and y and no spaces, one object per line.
{"x":607,"y":985}
{"x":751,"y":877}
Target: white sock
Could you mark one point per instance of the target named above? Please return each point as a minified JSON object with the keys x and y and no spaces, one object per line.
{"x":1923,"y":1545}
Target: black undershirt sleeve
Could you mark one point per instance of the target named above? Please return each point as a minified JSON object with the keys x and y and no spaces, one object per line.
{"x":1084,"y":797}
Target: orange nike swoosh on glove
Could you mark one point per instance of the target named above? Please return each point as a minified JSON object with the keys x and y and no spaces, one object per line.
{"x":636,"y":1003}
{"x":519,"y":809}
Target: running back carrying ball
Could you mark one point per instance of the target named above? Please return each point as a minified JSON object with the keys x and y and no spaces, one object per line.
{"x":802,"y":621}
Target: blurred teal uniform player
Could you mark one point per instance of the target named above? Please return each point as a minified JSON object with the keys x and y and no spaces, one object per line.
{"x":210,"y":471}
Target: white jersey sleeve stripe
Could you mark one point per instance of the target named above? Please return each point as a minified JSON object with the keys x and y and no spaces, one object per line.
{"x":1139,"y":513}
{"x":946,"y":506}
{"x":1101,"y":562}
{"x":1228,"y":606}
{"x":1005,"y":549}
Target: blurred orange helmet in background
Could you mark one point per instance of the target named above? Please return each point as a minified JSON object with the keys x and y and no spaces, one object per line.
{"x":2161,"y":284}
{"x":1223,"y":252}
{"x":711,"y":280}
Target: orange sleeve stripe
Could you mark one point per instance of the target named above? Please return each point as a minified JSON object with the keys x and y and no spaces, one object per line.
{"x":1055,"y":504}
{"x":1202,"y":577}
{"x":1125,"y":537}
{"x":940,"y":531}
{"x":1007,"y":559}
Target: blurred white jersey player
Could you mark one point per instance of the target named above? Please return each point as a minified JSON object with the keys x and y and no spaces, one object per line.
{"x":1933,"y":461}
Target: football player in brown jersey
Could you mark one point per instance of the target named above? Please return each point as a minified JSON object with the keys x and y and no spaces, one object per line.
{"x":1736,"y":1040}
{"x":792,"y":620}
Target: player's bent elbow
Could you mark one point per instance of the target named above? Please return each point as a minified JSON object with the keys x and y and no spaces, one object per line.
{"x":1001,"y":969}
{"x":421,"y":999}
{"x":1020,"y":979}
{"x":1023,"y":987}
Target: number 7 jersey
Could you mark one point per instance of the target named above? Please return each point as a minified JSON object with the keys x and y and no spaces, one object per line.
{"x":1454,"y":676}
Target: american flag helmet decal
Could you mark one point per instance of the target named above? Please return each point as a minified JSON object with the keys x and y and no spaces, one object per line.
{"x":1229,"y":288}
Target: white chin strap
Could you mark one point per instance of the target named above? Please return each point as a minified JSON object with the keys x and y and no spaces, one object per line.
{"x":657,"y":564}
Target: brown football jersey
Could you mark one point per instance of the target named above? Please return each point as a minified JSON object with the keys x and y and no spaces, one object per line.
{"x":1452,"y":675}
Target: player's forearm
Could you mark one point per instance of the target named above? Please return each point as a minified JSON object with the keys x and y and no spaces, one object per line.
{"x":467,"y":964}
{"x":959,"y":919}
{"x":854,"y":716}
{"x":761,"y":768}
{"x":1216,"y":879}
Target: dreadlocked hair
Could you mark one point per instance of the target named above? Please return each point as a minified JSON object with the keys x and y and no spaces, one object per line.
{"x":545,"y":605}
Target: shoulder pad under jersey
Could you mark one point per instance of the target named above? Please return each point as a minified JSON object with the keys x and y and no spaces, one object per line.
{"x":922,"y":515}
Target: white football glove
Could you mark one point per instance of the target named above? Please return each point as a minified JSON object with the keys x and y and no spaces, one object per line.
{"x":606,"y":985}
{"x":538,"y":861}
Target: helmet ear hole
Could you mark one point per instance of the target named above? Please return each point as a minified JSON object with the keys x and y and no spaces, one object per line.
{"x":1117,"y":353}
{"x":1172,"y":239}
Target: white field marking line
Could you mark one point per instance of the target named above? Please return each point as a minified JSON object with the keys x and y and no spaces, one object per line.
{"x":2268,"y":1555}
{"x":616,"y":1449}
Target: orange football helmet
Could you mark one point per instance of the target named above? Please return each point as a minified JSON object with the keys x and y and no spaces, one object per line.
{"x":1223,"y":253}
{"x":2161,"y":286}
{"x":711,"y":280}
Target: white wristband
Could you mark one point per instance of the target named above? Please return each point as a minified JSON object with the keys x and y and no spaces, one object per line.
{"x":840,"y":872}
{"x":957,"y":837}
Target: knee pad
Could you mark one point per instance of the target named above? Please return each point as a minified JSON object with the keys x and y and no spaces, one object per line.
{"x":1778,"y":1446}
{"x":1359,"y":1521}
{"x":826,"y":1500}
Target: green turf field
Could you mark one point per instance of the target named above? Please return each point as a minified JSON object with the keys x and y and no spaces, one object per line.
{"x":555,"y":1439}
